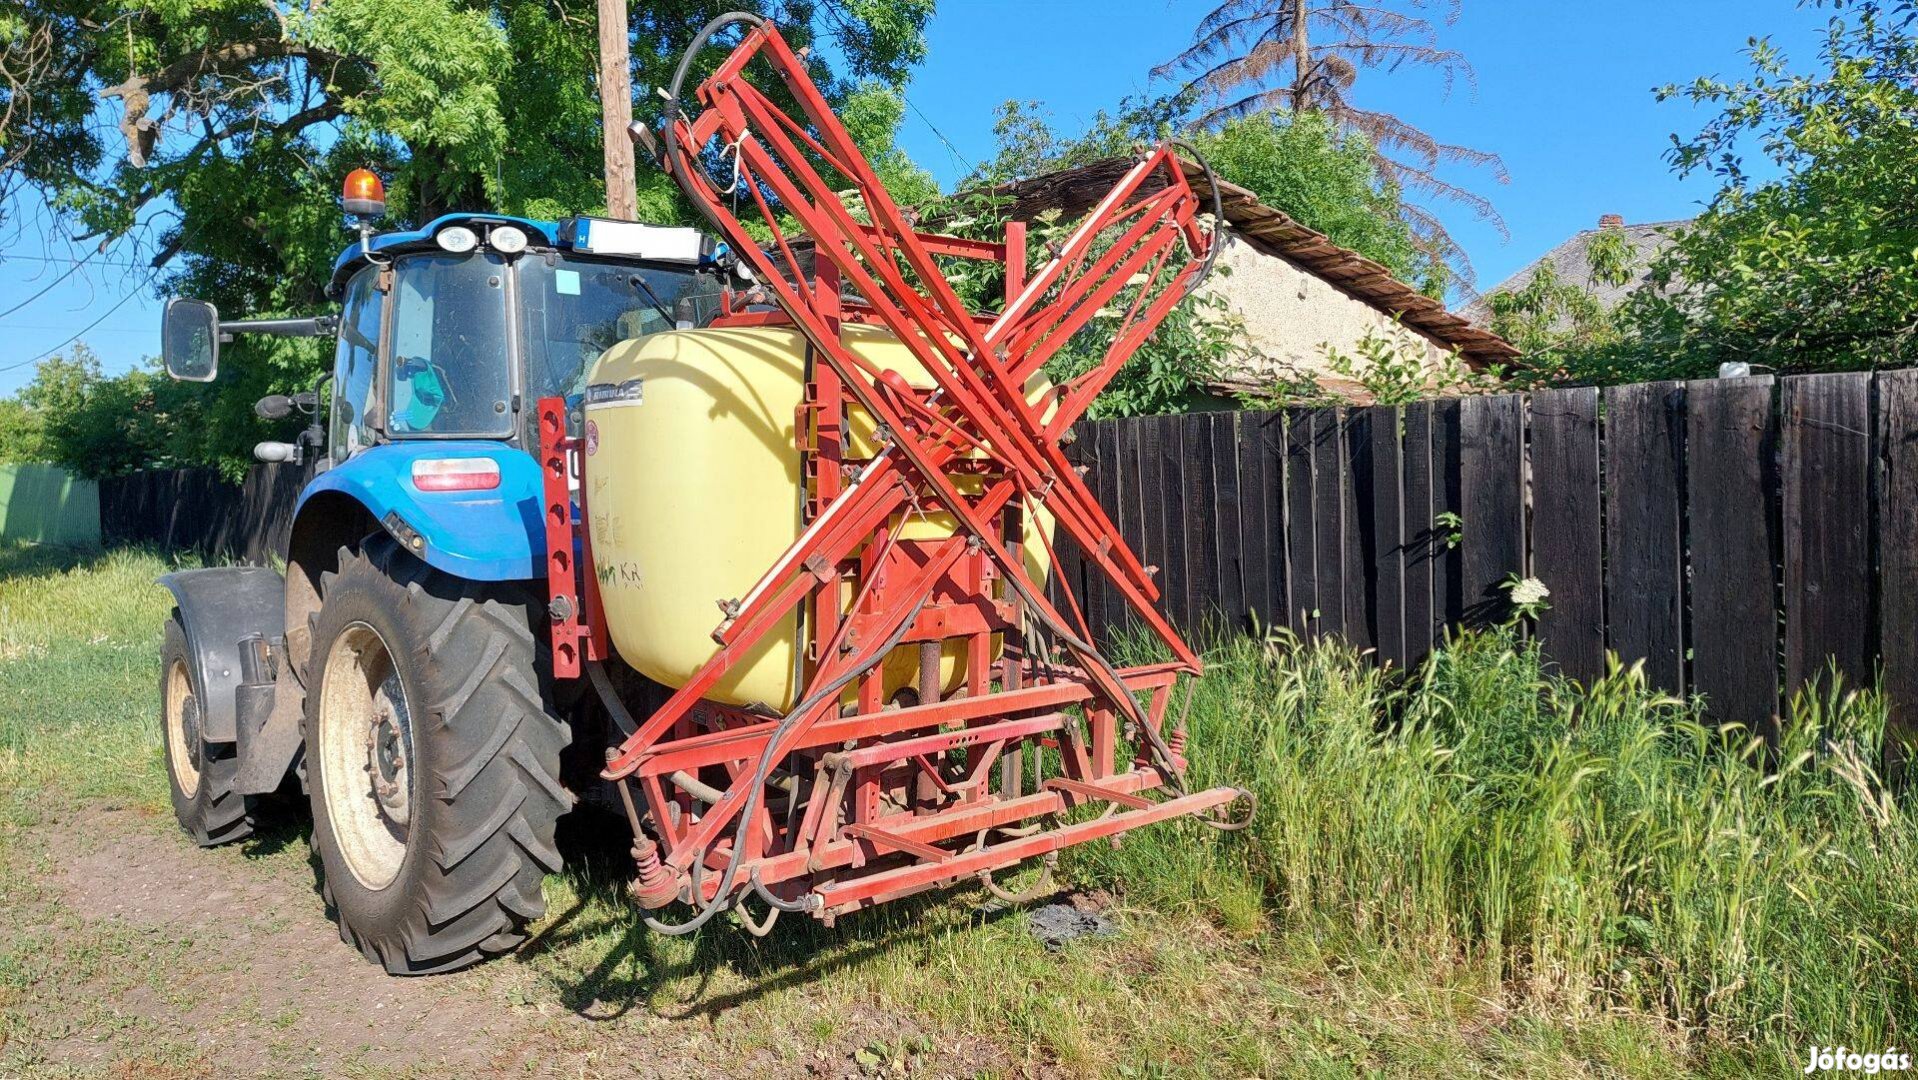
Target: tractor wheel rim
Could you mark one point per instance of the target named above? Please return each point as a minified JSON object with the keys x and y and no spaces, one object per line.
{"x":182,"y":729}
{"x":366,"y":754}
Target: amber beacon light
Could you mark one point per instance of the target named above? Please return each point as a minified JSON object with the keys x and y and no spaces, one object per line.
{"x":363,"y":195}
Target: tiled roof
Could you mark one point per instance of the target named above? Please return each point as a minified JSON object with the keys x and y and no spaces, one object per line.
{"x":1274,"y":232}
{"x":1572,"y":263}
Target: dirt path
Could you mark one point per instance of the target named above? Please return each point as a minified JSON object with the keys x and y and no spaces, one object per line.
{"x":183,"y":962}
{"x":276,"y":988}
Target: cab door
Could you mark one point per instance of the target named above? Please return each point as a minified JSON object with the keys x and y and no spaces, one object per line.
{"x":353,"y":425}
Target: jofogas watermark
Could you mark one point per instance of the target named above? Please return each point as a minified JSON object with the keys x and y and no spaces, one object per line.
{"x":1844,"y":1059}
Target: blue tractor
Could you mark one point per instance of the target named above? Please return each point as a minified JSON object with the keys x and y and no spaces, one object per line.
{"x":399,"y":667}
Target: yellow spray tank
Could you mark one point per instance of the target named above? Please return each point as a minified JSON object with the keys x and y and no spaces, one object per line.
{"x":692,"y":483}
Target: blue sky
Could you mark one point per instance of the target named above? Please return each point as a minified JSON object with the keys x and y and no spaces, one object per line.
{"x":1563,"y":94}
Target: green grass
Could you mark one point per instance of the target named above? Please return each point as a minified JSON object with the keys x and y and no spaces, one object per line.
{"x":1472,"y":869}
{"x":79,"y":648}
{"x":1579,"y":852}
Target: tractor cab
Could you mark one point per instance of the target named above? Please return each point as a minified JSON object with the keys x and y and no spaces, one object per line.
{"x":453,"y":330}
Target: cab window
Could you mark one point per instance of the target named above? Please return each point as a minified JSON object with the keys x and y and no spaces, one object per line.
{"x":574,"y":309}
{"x":357,"y":358}
{"x":449,"y":372}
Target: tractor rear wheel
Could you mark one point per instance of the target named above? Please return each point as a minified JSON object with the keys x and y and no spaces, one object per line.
{"x":200,"y":775}
{"x":432,"y":761}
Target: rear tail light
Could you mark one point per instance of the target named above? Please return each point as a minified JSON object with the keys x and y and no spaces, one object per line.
{"x":456,"y":474}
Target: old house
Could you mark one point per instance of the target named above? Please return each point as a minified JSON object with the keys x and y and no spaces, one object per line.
{"x":1577,"y":262}
{"x":1300,"y":295}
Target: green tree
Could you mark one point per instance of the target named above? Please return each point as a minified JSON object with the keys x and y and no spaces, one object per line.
{"x":1025,"y":144}
{"x":1324,"y":179}
{"x":215,"y":132}
{"x":1568,"y":335}
{"x":1817,"y":267}
{"x":94,"y":425}
{"x":20,"y":436}
{"x":1813,"y":269}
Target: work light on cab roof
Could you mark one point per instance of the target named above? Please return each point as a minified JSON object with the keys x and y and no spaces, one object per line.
{"x":363,"y":195}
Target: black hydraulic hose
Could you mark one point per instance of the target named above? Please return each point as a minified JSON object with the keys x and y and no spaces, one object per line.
{"x":685,"y":67}
{"x":1218,"y":213}
{"x":774,"y":902}
{"x":767,"y":757}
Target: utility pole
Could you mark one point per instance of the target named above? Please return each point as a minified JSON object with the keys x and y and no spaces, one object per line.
{"x":616,"y":110}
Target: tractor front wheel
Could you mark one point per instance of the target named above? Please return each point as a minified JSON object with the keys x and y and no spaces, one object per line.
{"x":433,"y":762}
{"x":200,"y":774}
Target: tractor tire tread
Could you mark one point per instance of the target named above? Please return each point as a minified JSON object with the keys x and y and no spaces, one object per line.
{"x":493,"y":786}
{"x":216,"y":813}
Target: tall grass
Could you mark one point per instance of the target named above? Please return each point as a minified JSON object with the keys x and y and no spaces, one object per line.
{"x":1599,"y":850}
{"x":79,"y":652}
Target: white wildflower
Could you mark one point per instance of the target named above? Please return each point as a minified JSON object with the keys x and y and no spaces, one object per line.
{"x":1528,"y":591}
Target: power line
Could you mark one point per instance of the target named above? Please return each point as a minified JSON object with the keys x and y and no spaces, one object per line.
{"x":4,"y":259}
{"x":832,"y":9}
{"x":63,"y":326}
{"x":48,"y":287}
{"x":950,"y":149}
{"x":117,"y":305}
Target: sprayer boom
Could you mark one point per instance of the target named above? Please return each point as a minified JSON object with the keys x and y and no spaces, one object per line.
{"x":856,"y":793}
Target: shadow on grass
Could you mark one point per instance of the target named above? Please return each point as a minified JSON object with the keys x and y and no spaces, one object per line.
{"x":639,"y":962}
{"x":642,"y":962}
{"x":18,"y":560}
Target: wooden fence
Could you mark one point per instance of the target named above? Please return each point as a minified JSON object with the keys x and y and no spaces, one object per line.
{"x":1739,"y":536}
{"x":198,"y":510}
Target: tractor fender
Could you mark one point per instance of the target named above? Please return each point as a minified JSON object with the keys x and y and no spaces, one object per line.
{"x":220,"y":607}
{"x":489,"y":535}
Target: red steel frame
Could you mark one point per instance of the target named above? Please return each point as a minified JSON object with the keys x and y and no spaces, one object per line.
{"x":868,"y":799}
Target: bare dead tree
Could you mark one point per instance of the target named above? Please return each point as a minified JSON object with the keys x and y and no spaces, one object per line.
{"x":1257,"y":56}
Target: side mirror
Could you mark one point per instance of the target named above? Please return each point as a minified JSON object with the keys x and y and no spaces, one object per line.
{"x":281,"y":406}
{"x":190,"y":340}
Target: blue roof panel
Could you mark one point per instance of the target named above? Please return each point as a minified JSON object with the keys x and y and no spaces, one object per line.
{"x":353,"y":256}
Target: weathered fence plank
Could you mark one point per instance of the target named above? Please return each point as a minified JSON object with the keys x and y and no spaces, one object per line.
{"x":1228,"y":542}
{"x":1301,"y":531}
{"x":1421,"y":539}
{"x":1389,"y":540}
{"x":1131,"y":518}
{"x":1448,"y":509}
{"x":1730,"y":435}
{"x":1165,"y":513}
{"x":1492,"y":472}
{"x":1261,"y":517}
{"x":1644,"y":600}
{"x":1328,"y":520}
{"x":1826,"y":439}
{"x":1898,"y":543}
{"x":1567,"y":530}
{"x":1355,"y":441}
{"x":1201,"y":515}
